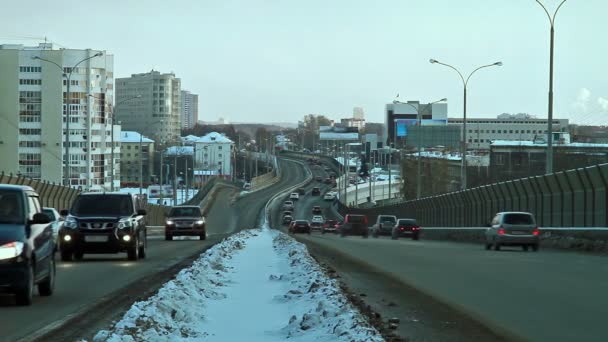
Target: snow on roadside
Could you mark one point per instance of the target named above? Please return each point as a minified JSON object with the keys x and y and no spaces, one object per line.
{"x":256,"y":285}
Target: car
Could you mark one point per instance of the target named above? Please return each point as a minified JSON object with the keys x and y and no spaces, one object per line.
{"x":326,"y":168}
{"x":316,"y":191}
{"x":354,"y":224}
{"x":185,"y":220}
{"x":318,"y":179}
{"x":330,"y":226}
{"x":56,"y":221}
{"x":287,"y":219}
{"x":300,"y":226}
{"x":294,"y":196}
{"x":287,"y":213}
{"x":316,"y":223}
{"x":328,"y":180}
{"x":384,"y":225}
{"x":27,"y":247}
{"x":512,"y":228}
{"x":288,"y":205}
{"x":247,"y":186}
{"x":316,"y":210}
{"x":302,"y":191}
{"x":329,"y":196}
{"x":406,"y":227}
{"x":101,"y":223}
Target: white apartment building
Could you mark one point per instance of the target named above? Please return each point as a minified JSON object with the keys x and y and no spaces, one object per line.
{"x":516,"y":127}
{"x":189,"y":111}
{"x":156,"y":112}
{"x":33,"y":109}
{"x":213,"y":152}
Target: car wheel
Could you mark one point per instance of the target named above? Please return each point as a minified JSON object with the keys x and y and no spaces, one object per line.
{"x":66,"y":255}
{"x":415,"y":237}
{"x":496,"y":246}
{"x":535,"y":247}
{"x":488,"y":246}
{"x":25,"y":295}
{"x":168,"y":237}
{"x":203,"y":236}
{"x":133,"y":252}
{"x":78,"y":256}
{"x":142,"y":249}
{"x":46,"y":287}
{"x":525,"y":248}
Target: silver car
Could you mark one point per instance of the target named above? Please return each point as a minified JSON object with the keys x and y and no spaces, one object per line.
{"x":513,"y":229}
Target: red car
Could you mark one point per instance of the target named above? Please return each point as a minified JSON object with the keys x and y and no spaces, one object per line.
{"x":330,"y":226}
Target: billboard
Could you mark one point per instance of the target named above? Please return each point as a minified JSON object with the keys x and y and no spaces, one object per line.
{"x":401,"y":124}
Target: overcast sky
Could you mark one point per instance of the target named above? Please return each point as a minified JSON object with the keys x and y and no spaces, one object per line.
{"x":277,"y":60}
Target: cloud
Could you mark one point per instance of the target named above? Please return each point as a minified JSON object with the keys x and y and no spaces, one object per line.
{"x":603,"y":103}
{"x":582,"y":100}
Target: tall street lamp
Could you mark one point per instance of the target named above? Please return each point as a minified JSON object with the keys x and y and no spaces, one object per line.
{"x":419,"y":112}
{"x":112,"y":134}
{"x":141,"y":159}
{"x":465,"y":82}
{"x":68,"y":77}
{"x":549,"y":166}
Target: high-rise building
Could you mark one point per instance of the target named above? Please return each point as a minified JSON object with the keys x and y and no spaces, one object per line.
{"x":358,"y":113}
{"x":189,"y":112}
{"x":156,"y":113}
{"x":33,"y":108}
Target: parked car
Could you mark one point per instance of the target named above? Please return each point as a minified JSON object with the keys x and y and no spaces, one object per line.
{"x":384,"y":225}
{"x":316,"y":210}
{"x":185,"y":220}
{"x":56,"y":221}
{"x":103,"y":223}
{"x":288,"y":205}
{"x":330,"y":226}
{"x":287,"y":219}
{"x":316,"y":191}
{"x":406,"y":227}
{"x":329,"y":196}
{"x":294,"y":196}
{"x":27,"y":247}
{"x":316,"y":223}
{"x":354,"y":224}
{"x":300,"y":226}
{"x":513,"y":229}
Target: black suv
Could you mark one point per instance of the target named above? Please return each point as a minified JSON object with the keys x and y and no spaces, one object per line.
{"x":103,"y":223}
{"x":27,"y":246}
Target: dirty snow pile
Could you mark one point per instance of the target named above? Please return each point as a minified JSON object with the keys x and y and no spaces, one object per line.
{"x":257,"y":285}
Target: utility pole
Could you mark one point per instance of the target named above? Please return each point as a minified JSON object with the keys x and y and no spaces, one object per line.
{"x":175,"y":177}
{"x":161,"y":175}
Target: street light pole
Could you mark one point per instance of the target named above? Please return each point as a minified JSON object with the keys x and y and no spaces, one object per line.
{"x":141,"y":160}
{"x":68,"y":77}
{"x":465,"y":82}
{"x":549,"y":166}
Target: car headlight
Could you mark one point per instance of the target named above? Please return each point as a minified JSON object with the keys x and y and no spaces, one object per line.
{"x":11,"y":250}
{"x":170,"y":223}
{"x":125,"y":223}
{"x":199,"y":222}
{"x":71,"y":223}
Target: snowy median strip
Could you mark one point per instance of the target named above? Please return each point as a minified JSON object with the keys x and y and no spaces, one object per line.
{"x":257,"y":285}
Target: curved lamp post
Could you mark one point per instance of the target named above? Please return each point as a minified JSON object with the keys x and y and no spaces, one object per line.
{"x":141,"y":159}
{"x":465,"y":82}
{"x":549,"y":166}
{"x":68,"y":77}
{"x":419,"y":147}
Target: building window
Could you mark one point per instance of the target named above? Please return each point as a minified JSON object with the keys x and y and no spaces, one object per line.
{"x":493,"y":131}
{"x":500,"y":159}
{"x":500,"y":131}
{"x":510,"y":131}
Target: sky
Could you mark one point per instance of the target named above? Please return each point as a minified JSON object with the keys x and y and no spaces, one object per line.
{"x":278,"y":60}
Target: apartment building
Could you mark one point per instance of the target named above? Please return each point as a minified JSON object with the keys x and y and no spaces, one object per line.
{"x":136,"y":158}
{"x":189,"y":111}
{"x":34,"y":104}
{"x":150,"y":103}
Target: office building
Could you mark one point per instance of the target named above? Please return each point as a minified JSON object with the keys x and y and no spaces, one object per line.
{"x":156,"y":114}
{"x":189,"y":111}
{"x":400,"y":116}
{"x":33,"y":107}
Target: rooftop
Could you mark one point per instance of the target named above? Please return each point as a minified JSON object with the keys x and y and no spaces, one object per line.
{"x":213,"y":137}
{"x":526,"y":143}
{"x":132,"y":137}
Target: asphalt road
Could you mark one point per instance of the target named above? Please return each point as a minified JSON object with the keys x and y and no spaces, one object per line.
{"x":546,"y":296}
{"x":79,"y":285}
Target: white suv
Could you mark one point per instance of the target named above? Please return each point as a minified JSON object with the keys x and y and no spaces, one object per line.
{"x":294,"y":196}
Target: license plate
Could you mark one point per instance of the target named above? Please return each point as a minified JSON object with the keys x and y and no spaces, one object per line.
{"x":519,"y":232}
{"x":96,"y":238}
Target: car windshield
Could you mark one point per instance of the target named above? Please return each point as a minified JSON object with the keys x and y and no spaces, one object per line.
{"x":102,"y":205}
{"x":185,"y":212}
{"x":11,"y":207}
{"x":387,"y":219}
{"x":518,"y":219}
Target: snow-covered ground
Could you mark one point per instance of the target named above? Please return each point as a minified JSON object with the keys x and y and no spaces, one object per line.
{"x":257,"y":285}
{"x":182,"y":196}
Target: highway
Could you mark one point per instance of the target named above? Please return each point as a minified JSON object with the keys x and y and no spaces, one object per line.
{"x":546,"y":296}
{"x":82,"y":287}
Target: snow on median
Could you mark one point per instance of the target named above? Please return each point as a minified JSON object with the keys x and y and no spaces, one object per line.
{"x":257,"y":285}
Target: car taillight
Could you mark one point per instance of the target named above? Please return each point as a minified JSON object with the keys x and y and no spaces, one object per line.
{"x":415,"y":227}
{"x":536,"y":232}
{"x":501,"y":231}
{"x":402,"y":227}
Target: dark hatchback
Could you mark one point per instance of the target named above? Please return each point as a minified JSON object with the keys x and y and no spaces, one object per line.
{"x":300,"y":226}
{"x":102,"y":223}
{"x":185,"y":220}
{"x":406,"y":228}
{"x":27,"y":246}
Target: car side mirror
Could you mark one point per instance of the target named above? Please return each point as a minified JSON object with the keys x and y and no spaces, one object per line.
{"x":41,"y":218}
{"x":141,"y":212}
{"x":64,"y":212}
